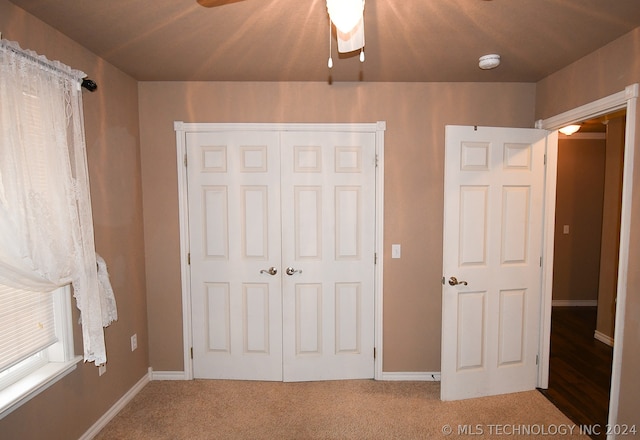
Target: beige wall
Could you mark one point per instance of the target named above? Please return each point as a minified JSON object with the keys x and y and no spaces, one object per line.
{"x":71,"y":406}
{"x":579,"y":192}
{"x":416,"y":115}
{"x":606,"y":71}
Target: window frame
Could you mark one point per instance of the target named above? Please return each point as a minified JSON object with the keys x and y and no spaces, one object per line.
{"x":58,"y":360}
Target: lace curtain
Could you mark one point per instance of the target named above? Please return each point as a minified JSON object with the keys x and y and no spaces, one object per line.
{"x":46,"y":225}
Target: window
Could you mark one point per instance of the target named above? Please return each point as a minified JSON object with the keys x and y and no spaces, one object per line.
{"x":27,"y":325}
{"x":46,"y":224}
{"x":46,"y":227}
{"x":28,"y":364}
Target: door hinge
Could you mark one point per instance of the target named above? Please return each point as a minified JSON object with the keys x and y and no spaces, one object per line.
{"x":185,"y":160}
{"x":376,"y":161}
{"x":536,"y":359}
{"x":191,"y":352}
{"x":374,"y":352}
{"x":189,"y":258}
{"x":545,"y":159}
{"x":375,"y":258}
{"x":540,"y":261}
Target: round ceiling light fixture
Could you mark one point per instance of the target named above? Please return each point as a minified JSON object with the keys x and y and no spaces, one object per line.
{"x":490,"y":61}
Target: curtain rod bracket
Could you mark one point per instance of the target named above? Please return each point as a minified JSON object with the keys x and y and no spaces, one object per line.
{"x":90,"y":85}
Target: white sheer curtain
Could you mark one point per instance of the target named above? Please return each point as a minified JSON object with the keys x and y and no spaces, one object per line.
{"x":46,"y":225}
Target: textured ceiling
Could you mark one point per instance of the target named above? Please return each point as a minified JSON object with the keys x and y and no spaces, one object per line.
{"x":288,"y":40}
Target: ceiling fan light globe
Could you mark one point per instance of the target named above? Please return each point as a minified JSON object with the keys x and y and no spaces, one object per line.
{"x":345,"y":14}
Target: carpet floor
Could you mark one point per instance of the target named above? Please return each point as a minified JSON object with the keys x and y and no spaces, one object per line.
{"x":354,"y":409}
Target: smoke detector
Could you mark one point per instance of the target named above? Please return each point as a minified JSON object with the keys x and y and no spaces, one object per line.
{"x":490,"y":61}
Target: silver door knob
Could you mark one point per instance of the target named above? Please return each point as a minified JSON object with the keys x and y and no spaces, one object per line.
{"x":271,"y":271}
{"x":291,"y":270}
{"x":453,"y":281}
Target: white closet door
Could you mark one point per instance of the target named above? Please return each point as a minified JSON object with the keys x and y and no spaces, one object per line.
{"x":234,"y":223}
{"x":282,"y":233}
{"x":328,"y":227}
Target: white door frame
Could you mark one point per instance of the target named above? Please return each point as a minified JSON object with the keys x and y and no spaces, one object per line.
{"x":626,"y":99}
{"x":183,"y":207}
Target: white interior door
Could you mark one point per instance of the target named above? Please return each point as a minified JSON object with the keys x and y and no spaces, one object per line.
{"x":234,"y":224}
{"x":493,"y":233}
{"x":328,"y":238}
{"x":282,"y":243}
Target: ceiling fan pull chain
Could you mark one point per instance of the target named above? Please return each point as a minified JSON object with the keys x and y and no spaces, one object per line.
{"x":330,"y":62}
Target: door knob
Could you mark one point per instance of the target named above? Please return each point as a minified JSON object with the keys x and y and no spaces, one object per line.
{"x":453,"y":281}
{"x":291,"y":270}
{"x":271,"y":271}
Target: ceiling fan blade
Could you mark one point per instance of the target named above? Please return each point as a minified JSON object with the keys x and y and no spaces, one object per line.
{"x":214,"y":3}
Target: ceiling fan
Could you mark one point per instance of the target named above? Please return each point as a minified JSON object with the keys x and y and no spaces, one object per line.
{"x":214,"y":3}
{"x":346,"y":15}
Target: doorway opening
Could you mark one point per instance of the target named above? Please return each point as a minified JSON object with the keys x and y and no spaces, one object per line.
{"x":587,"y":239}
{"x":623,"y":100}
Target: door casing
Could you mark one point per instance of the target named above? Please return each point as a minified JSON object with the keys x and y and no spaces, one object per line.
{"x":181,"y":128}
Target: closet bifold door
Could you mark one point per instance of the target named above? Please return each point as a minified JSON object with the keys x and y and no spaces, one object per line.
{"x":328,"y":211}
{"x":282,"y":243}
{"x":234,"y":227}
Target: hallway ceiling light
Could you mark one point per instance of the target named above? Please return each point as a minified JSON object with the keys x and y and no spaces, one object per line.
{"x":569,"y":129}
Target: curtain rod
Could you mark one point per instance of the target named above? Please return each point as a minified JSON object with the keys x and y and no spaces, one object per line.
{"x":87,"y":83}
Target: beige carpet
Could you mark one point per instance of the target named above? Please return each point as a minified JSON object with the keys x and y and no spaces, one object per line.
{"x":361,"y":409}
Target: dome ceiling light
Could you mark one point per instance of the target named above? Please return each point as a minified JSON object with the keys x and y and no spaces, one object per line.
{"x":569,"y":129}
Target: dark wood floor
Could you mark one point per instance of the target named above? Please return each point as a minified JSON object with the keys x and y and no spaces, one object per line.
{"x":579,"y":367}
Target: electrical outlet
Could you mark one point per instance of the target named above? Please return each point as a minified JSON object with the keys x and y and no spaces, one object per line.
{"x":134,"y":341}
{"x":102,"y":369}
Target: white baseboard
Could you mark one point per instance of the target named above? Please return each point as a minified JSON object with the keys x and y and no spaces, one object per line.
{"x":603,"y":338}
{"x":169,"y":375}
{"x":574,"y":303}
{"x":412,"y":376}
{"x":408,"y":376}
{"x":116,"y":408}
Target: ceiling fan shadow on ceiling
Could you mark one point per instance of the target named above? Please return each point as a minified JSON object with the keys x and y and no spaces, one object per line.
{"x":215,"y":3}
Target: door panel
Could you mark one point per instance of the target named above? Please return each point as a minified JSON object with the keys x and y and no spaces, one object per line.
{"x":234,"y":222}
{"x":328,"y":205}
{"x":511,"y":337}
{"x":472,"y":330}
{"x":494,"y":183}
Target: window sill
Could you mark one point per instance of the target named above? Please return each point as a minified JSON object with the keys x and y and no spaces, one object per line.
{"x":25,"y":389}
